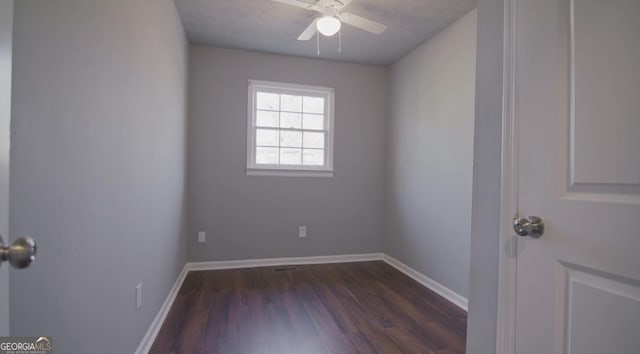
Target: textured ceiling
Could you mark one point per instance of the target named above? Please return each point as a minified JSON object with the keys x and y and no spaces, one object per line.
{"x":268,"y":26}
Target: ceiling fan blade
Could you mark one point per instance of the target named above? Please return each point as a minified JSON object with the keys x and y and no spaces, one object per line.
{"x":297,"y":3}
{"x":344,"y":3}
{"x":362,"y":23}
{"x":308,"y":33}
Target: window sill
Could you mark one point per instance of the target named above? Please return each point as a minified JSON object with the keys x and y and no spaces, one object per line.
{"x":289,"y":173}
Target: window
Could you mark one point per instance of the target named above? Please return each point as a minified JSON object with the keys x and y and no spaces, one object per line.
{"x":290,"y":130}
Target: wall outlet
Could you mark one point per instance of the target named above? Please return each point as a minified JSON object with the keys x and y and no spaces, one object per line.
{"x":138,"y":295}
{"x":302,"y":231}
{"x":202,"y":237}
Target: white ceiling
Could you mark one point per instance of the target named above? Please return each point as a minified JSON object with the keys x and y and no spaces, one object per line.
{"x":268,"y":26}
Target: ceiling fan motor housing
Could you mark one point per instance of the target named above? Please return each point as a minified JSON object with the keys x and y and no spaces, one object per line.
{"x":328,"y":5}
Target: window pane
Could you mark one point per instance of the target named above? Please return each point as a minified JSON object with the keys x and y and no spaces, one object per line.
{"x":267,"y":155}
{"x":290,"y":156}
{"x":290,"y":120}
{"x":312,"y":157}
{"x":313,"y":140}
{"x":313,"y":121}
{"x":267,"y":119}
{"x":290,"y":139}
{"x":270,"y":101}
{"x":266,"y":137}
{"x":291,"y":103}
{"x":313,"y":104}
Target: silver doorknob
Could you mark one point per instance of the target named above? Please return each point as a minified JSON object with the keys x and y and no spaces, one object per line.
{"x":21,"y":254}
{"x":532,"y":226}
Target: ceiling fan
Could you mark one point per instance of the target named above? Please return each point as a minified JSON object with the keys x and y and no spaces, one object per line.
{"x":331,"y":18}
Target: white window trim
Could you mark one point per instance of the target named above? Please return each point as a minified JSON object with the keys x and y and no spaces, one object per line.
{"x":254,"y":169}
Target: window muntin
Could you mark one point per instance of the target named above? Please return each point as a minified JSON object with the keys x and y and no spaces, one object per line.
{"x":290,"y":129}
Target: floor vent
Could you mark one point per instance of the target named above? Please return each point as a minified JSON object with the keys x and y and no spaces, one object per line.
{"x":286,"y":269}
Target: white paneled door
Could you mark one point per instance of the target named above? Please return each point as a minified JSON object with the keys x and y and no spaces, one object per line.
{"x":6,"y":31}
{"x":577,"y":103}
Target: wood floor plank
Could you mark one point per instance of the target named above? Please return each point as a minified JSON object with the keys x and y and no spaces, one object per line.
{"x":365,"y":307}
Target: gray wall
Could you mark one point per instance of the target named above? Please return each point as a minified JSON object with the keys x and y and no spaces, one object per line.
{"x":258,"y":216}
{"x":97,"y":167}
{"x":430,"y":152}
{"x":485,"y":220}
{"x":6,"y":27}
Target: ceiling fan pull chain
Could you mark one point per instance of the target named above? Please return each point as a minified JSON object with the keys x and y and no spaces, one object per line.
{"x":340,"y":41}
{"x":318,"y":42}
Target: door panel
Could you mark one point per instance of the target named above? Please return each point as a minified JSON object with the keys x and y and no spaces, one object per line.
{"x":578,"y":108}
{"x":605,"y":53}
{"x":596,"y":329}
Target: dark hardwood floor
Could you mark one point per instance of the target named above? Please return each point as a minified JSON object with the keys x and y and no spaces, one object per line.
{"x":366,"y":307}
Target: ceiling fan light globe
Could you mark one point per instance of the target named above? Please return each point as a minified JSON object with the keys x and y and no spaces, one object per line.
{"x":328,"y":25}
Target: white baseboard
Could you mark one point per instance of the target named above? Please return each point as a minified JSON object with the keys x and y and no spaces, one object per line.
{"x":152,"y":332}
{"x":429,"y":283}
{"x":270,"y":262}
